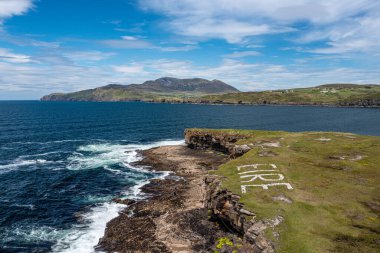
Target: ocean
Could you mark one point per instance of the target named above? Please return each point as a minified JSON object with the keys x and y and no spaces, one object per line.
{"x":62,"y":163}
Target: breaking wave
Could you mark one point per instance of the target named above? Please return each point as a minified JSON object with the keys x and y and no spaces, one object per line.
{"x":83,"y":237}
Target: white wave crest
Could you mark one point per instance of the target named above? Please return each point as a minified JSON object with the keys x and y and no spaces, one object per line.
{"x":83,"y":238}
{"x":33,"y":233}
{"x":105,"y":154}
{"x":20,"y":163}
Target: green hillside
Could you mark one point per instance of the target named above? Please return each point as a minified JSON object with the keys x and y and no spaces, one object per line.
{"x":331,"y":94}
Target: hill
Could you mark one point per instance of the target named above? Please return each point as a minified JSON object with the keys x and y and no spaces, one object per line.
{"x":166,"y":88}
{"x":329,"y":94}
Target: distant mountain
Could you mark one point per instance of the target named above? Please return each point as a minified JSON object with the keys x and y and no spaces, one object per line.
{"x":157,"y":90}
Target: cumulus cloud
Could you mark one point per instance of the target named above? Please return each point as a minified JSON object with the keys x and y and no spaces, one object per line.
{"x":286,"y":11}
{"x":345,"y":25}
{"x":359,"y":34}
{"x":9,"y":8}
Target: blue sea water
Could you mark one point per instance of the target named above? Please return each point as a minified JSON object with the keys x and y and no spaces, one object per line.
{"x":61,"y":163}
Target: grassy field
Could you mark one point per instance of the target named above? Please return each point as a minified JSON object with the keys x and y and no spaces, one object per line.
{"x":335,"y":202}
{"x":322,"y":95}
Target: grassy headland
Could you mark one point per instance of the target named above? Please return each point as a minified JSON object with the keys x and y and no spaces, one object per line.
{"x":335,"y":202}
{"x":333,"y":94}
{"x":196,"y":90}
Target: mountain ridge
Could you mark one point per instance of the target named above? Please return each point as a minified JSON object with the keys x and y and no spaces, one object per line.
{"x":198,"y":90}
{"x":161,"y":88}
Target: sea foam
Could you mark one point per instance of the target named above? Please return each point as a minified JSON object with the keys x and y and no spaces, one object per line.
{"x":82,"y":238}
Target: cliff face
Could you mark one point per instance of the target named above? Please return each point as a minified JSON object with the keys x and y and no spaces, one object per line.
{"x":223,"y":204}
{"x":223,"y":142}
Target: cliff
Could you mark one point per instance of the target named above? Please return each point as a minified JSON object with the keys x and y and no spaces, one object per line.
{"x":224,"y":204}
{"x":226,"y":143}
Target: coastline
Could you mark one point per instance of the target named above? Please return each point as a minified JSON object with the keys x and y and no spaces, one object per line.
{"x":173,"y":217}
{"x":216,"y":104}
{"x":199,"y":208}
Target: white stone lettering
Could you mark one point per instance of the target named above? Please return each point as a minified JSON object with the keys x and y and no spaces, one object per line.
{"x":255,"y":166}
{"x":249,"y":173}
{"x":253,"y":171}
{"x":263,"y":177}
{"x":265,"y":186}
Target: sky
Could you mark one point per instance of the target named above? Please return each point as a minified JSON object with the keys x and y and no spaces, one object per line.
{"x":68,"y":45}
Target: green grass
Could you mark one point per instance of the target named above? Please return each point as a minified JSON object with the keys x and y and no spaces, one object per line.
{"x":321,"y":95}
{"x":336,"y":197}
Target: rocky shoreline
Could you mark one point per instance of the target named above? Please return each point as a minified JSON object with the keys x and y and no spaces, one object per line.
{"x":188,"y":211}
{"x":173,"y":218}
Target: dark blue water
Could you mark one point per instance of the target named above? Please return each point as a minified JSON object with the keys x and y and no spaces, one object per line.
{"x":62,"y":162}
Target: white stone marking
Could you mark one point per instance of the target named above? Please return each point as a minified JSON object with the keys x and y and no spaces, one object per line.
{"x":255,"y":166}
{"x":323,"y":139}
{"x":265,"y":186}
{"x":261,"y":177}
{"x":253,"y":171}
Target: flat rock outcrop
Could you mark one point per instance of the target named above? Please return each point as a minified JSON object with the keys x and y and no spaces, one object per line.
{"x":223,"y":142}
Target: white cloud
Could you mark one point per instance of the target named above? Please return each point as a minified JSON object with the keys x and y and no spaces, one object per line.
{"x":346,"y":25}
{"x":285,"y":11}
{"x":129,"y":38}
{"x":231,"y":30}
{"x":178,"y":48}
{"x":88,"y":55}
{"x":138,"y":42}
{"x":129,"y":69}
{"x":127,"y":42}
{"x":10,"y":8}
{"x":6,"y":55}
{"x":355,"y":35}
{"x":242,"y":54}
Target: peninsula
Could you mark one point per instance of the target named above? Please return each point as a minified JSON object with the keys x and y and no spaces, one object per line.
{"x":256,"y":191}
{"x":197,"y":90}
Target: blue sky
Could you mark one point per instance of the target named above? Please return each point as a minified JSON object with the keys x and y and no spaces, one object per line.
{"x":67,"y":45}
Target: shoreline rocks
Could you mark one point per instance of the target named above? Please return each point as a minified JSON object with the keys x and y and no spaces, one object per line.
{"x":191,"y":214}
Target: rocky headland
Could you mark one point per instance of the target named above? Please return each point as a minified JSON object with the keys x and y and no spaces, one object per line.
{"x":202,"y":207}
{"x":187,"y":211}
